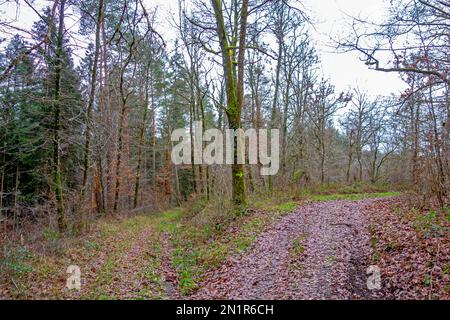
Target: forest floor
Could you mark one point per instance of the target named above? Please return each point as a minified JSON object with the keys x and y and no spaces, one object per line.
{"x":314,"y":248}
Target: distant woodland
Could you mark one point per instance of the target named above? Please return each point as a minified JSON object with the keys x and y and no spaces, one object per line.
{"x":90,"y":94}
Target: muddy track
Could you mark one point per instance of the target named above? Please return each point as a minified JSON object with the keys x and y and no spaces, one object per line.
{"x":332,"y":262}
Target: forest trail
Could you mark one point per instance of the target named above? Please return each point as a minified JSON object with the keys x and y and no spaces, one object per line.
{"x":309,"y":250}
{"x":317,"y":252}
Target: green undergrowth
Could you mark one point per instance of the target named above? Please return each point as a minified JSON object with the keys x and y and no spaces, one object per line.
{"x":205,"y":236}
{"x":353,"y":197}
{"x":355,"y":191}
{"x":34,"y":273}
{"x":354,"y":188}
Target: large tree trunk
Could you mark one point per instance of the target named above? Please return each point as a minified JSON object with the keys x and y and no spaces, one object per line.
{"x":234,"y":89}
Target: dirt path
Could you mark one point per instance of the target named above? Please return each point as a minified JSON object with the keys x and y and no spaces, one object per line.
{"x":119,"y":273}
{"x":317,"y":252}
{"x":169,"y":274}
{"x":128,"y":282}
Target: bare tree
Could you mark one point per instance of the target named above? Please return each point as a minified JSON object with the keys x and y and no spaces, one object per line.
{"x":323,"y":106}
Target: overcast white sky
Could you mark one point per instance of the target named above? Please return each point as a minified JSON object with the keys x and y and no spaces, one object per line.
{"x":345,"y":69}
{"x":329,"y":16}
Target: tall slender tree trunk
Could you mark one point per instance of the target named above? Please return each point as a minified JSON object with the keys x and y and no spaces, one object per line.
{"x":176,"y":178}
{"x":206,"y":169}
{"x":191,"y":136}
{"x":251,"y":181}
{"x":79,"y":224}
{"x":285,"y":119}
{"x":62,"y":224}
{"x":108,"y":123}
{"x":359,"y":158}
{"x":322,"y":162}
{"x":373,"y":171}
{"x":274,"y":112}
{"x":415,"y":137}
{"x":153,"y":135}
{"x":16,"y":193}
{"x":119,"y":155}
{"x":123,"y":114}
{"x":441,"y":191}
{"x":141,"y":140}
{"x":2,"y":183}
{"x":349,"y":165}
